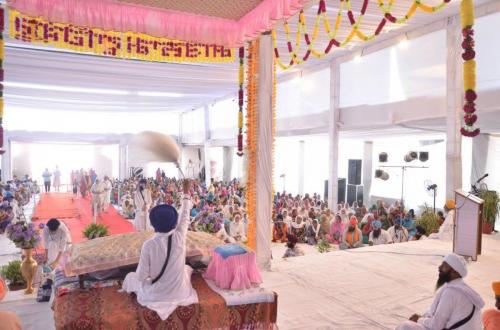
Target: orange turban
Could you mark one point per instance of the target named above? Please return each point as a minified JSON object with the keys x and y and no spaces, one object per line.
{"x":353,"y":221}
{"x":450,"y":203}
{"x":3,"y":288}
{"x":496,"y":288}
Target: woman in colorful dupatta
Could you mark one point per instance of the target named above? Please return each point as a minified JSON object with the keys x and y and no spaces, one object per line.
{"x":280,"y":230}
{"x":336,"y":230}
{"x":367,"y":227}
{"x":299,"y":229}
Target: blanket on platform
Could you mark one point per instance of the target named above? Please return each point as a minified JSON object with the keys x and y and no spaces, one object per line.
{"x":106,"y":308}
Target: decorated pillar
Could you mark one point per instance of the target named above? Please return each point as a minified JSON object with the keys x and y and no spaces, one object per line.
{"x":333,"y":132}
{"x":454,"y":86}
{"x":260,"y":140}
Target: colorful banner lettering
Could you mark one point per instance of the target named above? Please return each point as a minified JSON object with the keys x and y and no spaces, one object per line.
{"x":111,"y":43}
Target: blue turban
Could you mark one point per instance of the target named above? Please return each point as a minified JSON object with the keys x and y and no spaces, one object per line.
{"x":163,"y":218}
{"x":398,"y":221}
{"x":377,"y":224}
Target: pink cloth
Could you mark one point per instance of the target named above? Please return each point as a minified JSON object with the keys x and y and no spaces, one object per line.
{"x":237,"y":272}
{"x":110,"y":15}
{"x":336,"y":227}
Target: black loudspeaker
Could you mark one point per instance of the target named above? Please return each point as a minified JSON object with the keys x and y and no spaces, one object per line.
{"x":351,"y":193}
{"x":359,"y":195}
{"x":340,"y":192}
{"x":354,"y":172}
{"x":423,"y":156}
{"x":382,"y":157}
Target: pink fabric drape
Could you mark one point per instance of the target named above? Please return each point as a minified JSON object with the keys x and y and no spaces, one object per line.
{"x":109,"y":15}
{"x":237,"y":272}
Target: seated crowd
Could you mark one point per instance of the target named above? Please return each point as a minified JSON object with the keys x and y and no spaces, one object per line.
{"x":14,"y":194}
{"x":308,"y":220}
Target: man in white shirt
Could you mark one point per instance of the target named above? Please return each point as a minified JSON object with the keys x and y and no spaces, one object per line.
{"x":398,"y":232}
{"x":378,"y":235}
{"x":56,"y":238}
{"x":97,"y":191}
{"x":143,"y":202}
{"x":456,"y":305}
{"x":237,"y":229}
{"x":162,"y":280}
{"x":106,"y":196}
{"x":446,"y":229}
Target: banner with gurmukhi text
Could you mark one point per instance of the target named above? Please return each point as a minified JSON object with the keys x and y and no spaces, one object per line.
{"x":111,"y":43}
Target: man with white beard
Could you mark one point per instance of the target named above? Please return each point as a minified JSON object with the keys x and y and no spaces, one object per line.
{"x":97,"y":191}
{"x":107,"y":193}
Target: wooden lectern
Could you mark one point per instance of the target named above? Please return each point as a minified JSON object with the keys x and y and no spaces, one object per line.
{"x":467,"y":236}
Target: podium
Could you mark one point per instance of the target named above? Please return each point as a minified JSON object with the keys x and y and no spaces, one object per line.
{"x":467,"y":232}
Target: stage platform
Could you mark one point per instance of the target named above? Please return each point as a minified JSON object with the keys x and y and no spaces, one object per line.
{"x":368,"y":288}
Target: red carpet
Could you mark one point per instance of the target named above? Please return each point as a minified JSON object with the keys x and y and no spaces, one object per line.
{"x":77,"y":214}
{"x":55,"y":205}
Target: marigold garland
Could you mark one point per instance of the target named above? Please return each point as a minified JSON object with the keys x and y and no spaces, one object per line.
{"x":241,"y":80}
{"x":355,"y":23}
{"x":112,"y":43}
{"x":2,"y":54}
{"x":467,"y":18}
{"x":252,"y":139}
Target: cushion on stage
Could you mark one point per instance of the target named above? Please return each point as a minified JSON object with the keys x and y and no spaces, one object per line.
{"x":125,"y":249}
{"x":228,"y":250}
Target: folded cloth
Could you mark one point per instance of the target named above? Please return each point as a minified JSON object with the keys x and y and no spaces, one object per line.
{"x":229,"y":250}
{"x":255,"y":295}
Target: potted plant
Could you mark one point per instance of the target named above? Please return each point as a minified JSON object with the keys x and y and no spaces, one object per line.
{"x":429,"y":220}
{"x":12,"y":273}
{"x":25,"y":236}
{"x":95,"y":230}
{"x":490,"y":209}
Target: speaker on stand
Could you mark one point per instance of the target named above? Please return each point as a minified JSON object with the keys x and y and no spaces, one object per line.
{"x":354,"y":172}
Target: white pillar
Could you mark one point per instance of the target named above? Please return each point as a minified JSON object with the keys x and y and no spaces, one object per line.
{"x":454,"y":101}
{"x":227,"y":165}
{"x":264,"y":173}
{"x":7,"y":160}
{"x":333,"y":133}
{"x":367,"y":171}
{"x":300,"y":162}
{"x":206,"y":150}
{"x":122,"y":160}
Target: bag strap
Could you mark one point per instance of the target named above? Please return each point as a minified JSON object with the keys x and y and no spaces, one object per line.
{"x":166,"y":261}
{"x":462,"y":322}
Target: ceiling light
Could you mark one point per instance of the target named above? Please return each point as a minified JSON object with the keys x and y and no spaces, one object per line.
{"x":159,"y":94}
{"x":403,"y":44}
{"x":66,"y":88}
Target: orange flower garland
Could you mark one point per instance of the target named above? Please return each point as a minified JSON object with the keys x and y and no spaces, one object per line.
{"x":252,"y":140}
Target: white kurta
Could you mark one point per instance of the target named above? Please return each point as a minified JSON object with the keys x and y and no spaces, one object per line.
{"x":174,"y":287}
{"x":106,"y":196}
{"x":398,"y":236}
{"x":55,"y":242}
{"x":238,"y":229}
{"x":141,"y":222}
{"x":383,"y":238}
{"x":452,"y":303}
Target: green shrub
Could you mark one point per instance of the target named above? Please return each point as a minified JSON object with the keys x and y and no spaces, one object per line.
{"x":490,"y":206}
{"x":323,"y":246}
{"x":95,"y":230}
{"x":428,"y":219}
{"x":12,"y":273}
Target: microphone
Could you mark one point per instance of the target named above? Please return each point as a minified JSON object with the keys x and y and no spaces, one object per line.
{"x":482,"y":178}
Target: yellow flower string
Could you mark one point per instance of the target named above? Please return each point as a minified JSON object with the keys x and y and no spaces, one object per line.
{"x":355,"y":31}
{"x":252,"y":140}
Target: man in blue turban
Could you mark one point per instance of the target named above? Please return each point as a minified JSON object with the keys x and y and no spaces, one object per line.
{"x":162,"y":281}
{"x":398,"y":232}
